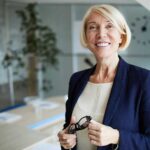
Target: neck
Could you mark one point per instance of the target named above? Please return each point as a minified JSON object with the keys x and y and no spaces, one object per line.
{"x":105,"y":70}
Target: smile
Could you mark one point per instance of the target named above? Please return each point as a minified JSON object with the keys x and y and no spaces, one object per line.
{"x":102,"y":44}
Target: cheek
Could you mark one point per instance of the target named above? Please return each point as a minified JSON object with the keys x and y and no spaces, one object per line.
{"x":90,"y":38}
{"x":117,"y":37}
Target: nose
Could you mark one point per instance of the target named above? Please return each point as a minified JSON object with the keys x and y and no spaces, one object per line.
{"x":101,"y":32}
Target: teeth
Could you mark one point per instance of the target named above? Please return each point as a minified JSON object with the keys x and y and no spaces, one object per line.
{"x":102,"y":44}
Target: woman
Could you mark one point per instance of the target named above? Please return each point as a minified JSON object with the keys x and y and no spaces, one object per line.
{"x":114,"y":93}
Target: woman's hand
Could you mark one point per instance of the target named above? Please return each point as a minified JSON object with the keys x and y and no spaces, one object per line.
{"x":102,"y":135}
{"x":66,"y":140}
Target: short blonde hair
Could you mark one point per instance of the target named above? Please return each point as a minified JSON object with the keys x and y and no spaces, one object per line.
{"x":113,"y":15}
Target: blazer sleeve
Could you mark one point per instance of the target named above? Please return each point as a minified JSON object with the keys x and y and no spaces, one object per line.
{"x":68,"y":104}
{"x":139,"y":140}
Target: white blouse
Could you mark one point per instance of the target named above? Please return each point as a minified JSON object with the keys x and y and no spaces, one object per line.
{"x":92,"y":102}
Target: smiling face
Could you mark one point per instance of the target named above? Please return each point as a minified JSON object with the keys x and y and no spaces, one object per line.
{"x":102,"y":36}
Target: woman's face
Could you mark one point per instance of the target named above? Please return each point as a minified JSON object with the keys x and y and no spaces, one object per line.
{"x":102,"y":36}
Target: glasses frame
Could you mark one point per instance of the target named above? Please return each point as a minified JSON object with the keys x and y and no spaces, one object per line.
{"x":76,"y":126}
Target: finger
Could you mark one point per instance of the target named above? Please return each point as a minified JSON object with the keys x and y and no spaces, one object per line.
{"x":65,"y":137}
{"x":93,"y":122}
{"x":60,"y":134}
{"x":68,"y":146}
{"x":95,"y":143}
{"x":69,"y":142}
{"x":95,"y":126}
{"x":73,"y":120}
{"x":65,"y":141}
{"x":93,"y":137}
{"x":94,"y":133}
{"x":95,"y":140}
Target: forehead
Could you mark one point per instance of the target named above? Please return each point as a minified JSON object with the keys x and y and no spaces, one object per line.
{"x":96,"y":17}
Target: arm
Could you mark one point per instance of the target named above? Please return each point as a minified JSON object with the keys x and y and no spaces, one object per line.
{"x":68,"y":141}
{"x":134,"y":140}
{"x":139,"y":140}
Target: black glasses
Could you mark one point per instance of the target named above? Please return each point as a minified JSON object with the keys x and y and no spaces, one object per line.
{"x":80,"y":125}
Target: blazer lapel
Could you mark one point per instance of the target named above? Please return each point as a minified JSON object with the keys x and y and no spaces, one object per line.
{"x":117,"y":88}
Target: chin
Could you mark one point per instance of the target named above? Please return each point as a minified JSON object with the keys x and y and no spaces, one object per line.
{"x":105,"y":55}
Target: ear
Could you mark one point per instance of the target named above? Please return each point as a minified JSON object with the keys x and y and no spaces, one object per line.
{"x":121,"y":39}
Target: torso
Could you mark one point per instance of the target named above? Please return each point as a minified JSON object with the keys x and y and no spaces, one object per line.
{"x":93,"y":102}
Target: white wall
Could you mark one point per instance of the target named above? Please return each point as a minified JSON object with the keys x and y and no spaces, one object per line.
{"x":76,"y":1}
{"x":62,"y":19}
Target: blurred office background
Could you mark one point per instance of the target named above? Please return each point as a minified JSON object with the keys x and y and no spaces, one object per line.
{"x":64,"y":18}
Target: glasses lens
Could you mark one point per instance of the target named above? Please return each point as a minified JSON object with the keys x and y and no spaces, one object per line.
{"x":72,"y":129}
{"x":84,"y":122}
{"x":81,"y":124}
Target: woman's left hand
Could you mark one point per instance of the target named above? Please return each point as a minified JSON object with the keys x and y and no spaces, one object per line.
{"x":102,"y":135}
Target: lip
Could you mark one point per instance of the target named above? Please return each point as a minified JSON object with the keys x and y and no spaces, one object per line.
{"x":102,"y":44}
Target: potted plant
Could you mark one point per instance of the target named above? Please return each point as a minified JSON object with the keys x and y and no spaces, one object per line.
{"x":39,"y":49}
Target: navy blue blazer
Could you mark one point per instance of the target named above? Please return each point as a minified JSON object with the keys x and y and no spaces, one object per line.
{"x":128,"y":108}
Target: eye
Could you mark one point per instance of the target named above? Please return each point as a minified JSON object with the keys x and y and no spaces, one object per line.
{"x":92,"y":27}
{"x":109,"y":26}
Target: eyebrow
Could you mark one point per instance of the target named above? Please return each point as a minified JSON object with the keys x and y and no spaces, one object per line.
{"x":91,"y":22}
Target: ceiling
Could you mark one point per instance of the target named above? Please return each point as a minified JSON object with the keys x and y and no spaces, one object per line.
{"x":145,"y":3}
{"x":77,"y":1}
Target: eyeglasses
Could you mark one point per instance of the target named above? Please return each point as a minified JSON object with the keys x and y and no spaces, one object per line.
{"x":80,"y":125}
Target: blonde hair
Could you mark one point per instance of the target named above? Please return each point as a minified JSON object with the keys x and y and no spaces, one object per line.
{"x":113,"y":15}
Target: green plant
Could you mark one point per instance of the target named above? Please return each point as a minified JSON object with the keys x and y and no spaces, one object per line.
{"x":39,"y":47}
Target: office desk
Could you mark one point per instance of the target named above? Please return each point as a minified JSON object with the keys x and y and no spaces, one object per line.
{"x":20,"y":134}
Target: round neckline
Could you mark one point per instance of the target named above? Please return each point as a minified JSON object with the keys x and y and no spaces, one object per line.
{"x":106,"y":83}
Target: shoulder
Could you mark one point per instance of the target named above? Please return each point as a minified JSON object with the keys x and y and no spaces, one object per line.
{"x":133,"y":70}
{"x":139,"y":72}
{"x":133,"y":74}
{"x":138,"y":75}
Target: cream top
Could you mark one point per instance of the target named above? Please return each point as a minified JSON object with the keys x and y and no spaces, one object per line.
{"x":93,"y":102}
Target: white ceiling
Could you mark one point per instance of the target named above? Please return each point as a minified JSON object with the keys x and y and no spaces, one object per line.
{"x":77,"y":1}
{"x":145,"y":3}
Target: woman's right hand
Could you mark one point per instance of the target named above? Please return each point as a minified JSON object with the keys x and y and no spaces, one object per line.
{"x":66,"y":140}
